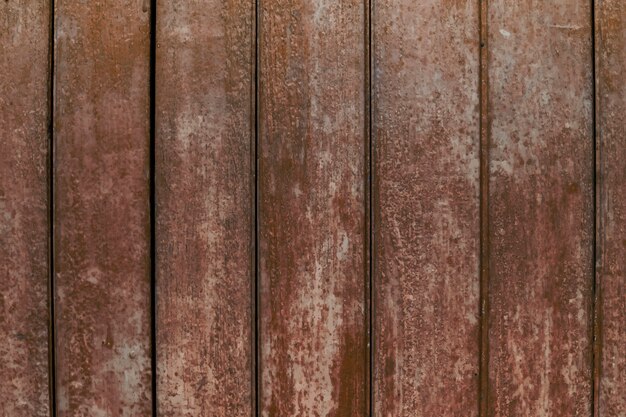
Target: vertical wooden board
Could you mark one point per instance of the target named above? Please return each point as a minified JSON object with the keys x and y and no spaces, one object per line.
{"x":24,"y":230}
{"x":312,"y":208}
{"x":101,"y":208}
{"x":611,"y":207}
{"x":204,"y":204}
{"x":541,"y":208}
{"x":426,"y":207}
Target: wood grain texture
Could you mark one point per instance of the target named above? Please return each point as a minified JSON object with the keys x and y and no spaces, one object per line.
{"x":312,"y":209}
{"x":611,"y":206}
{"x":426,"y":208}
{"x":541,"y":208}
{"x":204,"y":204}
{"x":101,"y":208}
{"x":24,"y":229}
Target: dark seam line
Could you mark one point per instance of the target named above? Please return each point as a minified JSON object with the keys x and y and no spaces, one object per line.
{"x":257,"y":286}
{"x":51,"y":292}
{"x":484,"y":211}
{"x":596,"y":290}
{"x":153,"y":294}
{"x":370,"y":203}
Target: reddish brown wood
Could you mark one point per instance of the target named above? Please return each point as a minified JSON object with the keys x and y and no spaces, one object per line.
{"x":24,"y":230}
{"x":541,"y":208}
{"x":426,"y":221}
{"x":312,"y":208}
{"x":611,"y":207}
{"x":101,"y":208}
{"x":204,"y":204}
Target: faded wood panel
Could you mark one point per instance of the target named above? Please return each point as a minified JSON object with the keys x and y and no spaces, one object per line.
{"x":426,"y":208}
{"x":204,"y":205}
{"x":312,"y":208}
{"x":611,"y":206}
{"x":541,"y":208}
{"x":101,"y":208}
{"x":24,"y":229}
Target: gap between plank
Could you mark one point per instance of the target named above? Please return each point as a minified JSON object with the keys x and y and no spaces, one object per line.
{"x":153,"y":295}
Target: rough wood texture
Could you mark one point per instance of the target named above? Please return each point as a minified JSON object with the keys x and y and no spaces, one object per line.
{"x":541,"y":208}
{"x":426,"y":208}
{"x":24,"y":230}
{"x":312,"y":159}
{"x":102,"y":230}
{"x":204,"y":204}
{"x":611,"y":205}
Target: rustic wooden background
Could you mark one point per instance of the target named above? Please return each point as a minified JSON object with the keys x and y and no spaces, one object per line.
{"x":318,"y":208}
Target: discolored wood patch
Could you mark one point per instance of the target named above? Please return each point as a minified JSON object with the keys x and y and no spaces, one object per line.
{"x":204,"y":204}
{"x":312,"y":209}
{"x":611,"y":206}
{"x":540,"y":208}
{"x":101,"y":208}
{"x":426,"y":208}
{"x":24,"y":228}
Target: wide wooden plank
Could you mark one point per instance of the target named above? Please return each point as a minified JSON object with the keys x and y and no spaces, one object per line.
{"x":101,"y":208}
{"x":24,"y":229}
{"x":312,"y":208}
{"x":611,"y":206}
{"x":204,"y":205}
{"x":426,"y":207}
{"x":540,"y":208}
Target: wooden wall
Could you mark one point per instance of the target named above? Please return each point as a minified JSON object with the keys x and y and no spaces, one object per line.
{"x":281,"y":208}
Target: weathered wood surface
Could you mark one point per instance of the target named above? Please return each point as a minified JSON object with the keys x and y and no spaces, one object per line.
{"x":204,"y":206}
{"x":426,"y":208}
{"x":611,"y":206}
{"x":101,"y":208}
{"x":24,"y":230}
{"x":541,"y":208}
{"x":312,"y":209}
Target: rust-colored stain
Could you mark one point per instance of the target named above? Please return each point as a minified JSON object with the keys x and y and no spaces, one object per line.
{"x":101,"y":208}
{"x":611,"y":207}
{"x":312,"y":234}
{"x":540,"y":209}
{"x":24,"y":231}
{"x":426,"y":208}
{"x":204,"y":204}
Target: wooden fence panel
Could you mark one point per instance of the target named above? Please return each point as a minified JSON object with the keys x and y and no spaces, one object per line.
{"x":426,"y":208}
{"x":312,"y":208}
{"x":541,"y":208}
{"x":611,"y":206}
{"x":101,"y":208}
{"x":24,"y":228}
{"x":204,"y":205}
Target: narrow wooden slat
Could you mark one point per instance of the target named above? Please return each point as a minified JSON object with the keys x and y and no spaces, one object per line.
{"x":204,"y":205}
{"x":312,"y":208}
{"x":426,"y":208}
{"x":541,"y":208}
{"x":611,"y":206}
{"x":24,"y":229}
{"x":101,"y":208}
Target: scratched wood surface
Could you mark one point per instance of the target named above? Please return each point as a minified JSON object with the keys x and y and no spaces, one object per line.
{"x":24,"y":230}
{"x":426,"y":208}
{"x":101,"y":208}
{"x":541,"y":208}
{"x":611,"y":206}
{"x":204,"y":205}
{"x":312,"y":222}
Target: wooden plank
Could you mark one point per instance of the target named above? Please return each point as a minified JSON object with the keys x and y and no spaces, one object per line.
{"x":101,"y":208}
{"x":24,"y":230}
{"x":426,"y":208}
{"x":541,"y":208}
{"x":312,"y":208}
{"x":611,"y":207}
{"x":204,"y":204}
